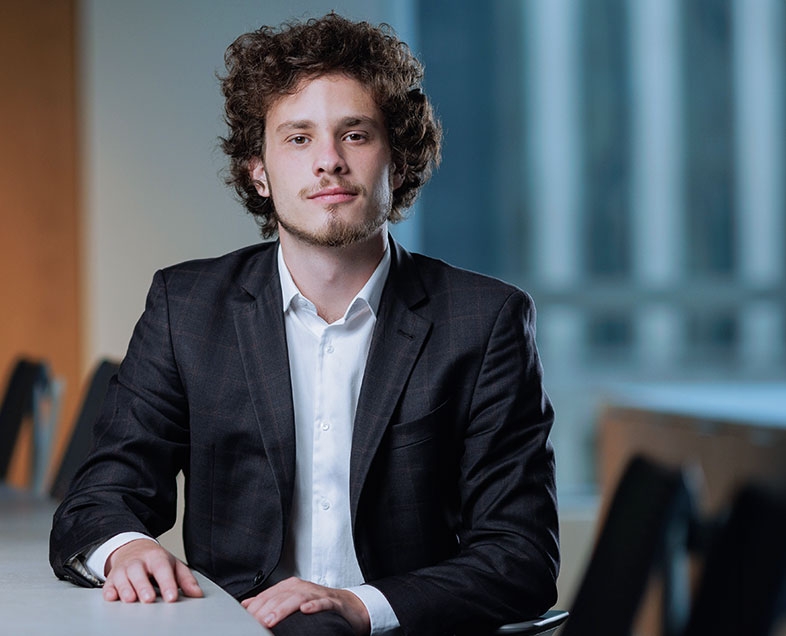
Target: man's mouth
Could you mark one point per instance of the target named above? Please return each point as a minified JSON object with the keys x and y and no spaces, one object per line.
{"x":333,"y":194}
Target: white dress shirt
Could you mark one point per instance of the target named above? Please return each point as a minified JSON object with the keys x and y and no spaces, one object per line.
{"x":326,"y":363}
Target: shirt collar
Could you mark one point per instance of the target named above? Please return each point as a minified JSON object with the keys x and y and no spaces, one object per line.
{"x":370,"y":294}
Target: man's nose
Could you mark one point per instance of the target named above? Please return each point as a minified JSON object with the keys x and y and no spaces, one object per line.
{"x":329,"y":160}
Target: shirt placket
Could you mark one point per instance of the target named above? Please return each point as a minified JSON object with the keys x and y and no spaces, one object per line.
{"x":323,"y":523}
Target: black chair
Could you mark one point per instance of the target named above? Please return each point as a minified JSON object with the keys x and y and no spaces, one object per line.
{"x":27,"y":377}
{"x":648,"y":519}
{"x":542,"y":626}
{"x":743,"y":585}
{"x":652,"y":525}
{"x":82,"y":435}
{"x":646,"y":527}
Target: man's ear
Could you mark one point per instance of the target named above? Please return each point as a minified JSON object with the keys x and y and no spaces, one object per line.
{"x":258,"y":177}
{"x":397,"y":179}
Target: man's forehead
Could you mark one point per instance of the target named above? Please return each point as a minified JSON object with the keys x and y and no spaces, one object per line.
{"x":346,"y":98}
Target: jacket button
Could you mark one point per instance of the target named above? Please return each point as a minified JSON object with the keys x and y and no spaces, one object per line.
{"x":259,"y":577}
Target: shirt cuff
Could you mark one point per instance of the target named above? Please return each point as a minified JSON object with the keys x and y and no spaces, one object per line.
{"x":96,"y":562}
{"x":382,"y":617}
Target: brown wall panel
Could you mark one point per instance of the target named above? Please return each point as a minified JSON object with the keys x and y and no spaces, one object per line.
{"x":725,"y":454}
{"x":39,"y":216}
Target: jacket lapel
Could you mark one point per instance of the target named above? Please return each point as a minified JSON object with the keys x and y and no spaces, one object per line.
{"x":397,"y":341}
{"x":259,"y":323}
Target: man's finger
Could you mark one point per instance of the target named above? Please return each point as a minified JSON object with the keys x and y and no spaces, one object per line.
{"x":139,"y":577}
{"x":187,"y":580}
{"x":279,"y":607}
{"x":319,"y":605}
{"x":253,"y":603}
{"x":110,"y":592}
{"x":283,"y":588}
{"x":161,"y":569}
{"x":258,"y":602}
{"x":124,"y":588}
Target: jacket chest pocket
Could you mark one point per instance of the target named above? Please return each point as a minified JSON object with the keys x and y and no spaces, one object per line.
{"x":417,"y":431}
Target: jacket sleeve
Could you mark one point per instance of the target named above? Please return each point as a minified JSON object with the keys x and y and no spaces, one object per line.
{"x":140,"y":444}
{"x":508,"y":557}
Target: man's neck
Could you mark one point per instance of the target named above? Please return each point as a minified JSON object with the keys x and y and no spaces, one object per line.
{"x":330,"y":277}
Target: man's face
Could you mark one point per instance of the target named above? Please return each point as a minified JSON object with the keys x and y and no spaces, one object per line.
{"x":327,"y":163}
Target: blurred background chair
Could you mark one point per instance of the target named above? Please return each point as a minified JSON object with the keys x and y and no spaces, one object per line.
{"x":82,"y":434}
{"x":652,"y":527}
{"x":743,"y":585}
{"x":33,"y":396}
{"x":648,"y":518}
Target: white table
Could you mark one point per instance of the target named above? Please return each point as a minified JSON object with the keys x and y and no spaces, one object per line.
{"x":34,"y":602}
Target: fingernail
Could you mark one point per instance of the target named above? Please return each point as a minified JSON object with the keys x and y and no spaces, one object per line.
{"x":171,"y":596}
{"x":269,"y":618}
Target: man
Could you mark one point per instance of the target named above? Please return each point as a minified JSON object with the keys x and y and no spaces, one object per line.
{"x":363,"y":431}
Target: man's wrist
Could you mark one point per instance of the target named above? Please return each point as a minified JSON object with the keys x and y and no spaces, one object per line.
{"x":382,"y":618}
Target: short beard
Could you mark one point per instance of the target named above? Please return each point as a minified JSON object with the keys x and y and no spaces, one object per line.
{"x":337,"y":233}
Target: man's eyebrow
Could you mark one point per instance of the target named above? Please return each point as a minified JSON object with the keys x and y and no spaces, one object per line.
{"x":296,"y":124}
{"x":349,"y":121}
{"x":357,"y":120}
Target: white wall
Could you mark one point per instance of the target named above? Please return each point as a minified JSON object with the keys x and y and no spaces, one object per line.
{"x":151,"y":115}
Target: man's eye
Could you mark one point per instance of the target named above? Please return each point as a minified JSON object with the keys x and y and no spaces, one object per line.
{"x":298,"y":140}
{"x":355,"y":137}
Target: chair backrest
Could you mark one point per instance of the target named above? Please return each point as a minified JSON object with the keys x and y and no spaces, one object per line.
{"x":82,"y":435}
{"x":743,"y":585}
{"x":651,"y":503}
{"x":17,"y":404}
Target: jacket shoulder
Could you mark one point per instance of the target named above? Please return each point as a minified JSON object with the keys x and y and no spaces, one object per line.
{"x":228,"y":272}
{"x":455,"y":285}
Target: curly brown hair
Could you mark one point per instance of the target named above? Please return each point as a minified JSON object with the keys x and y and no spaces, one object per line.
{"x":268,"y":63}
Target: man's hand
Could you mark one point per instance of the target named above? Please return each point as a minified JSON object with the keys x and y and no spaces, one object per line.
{"x":131,"y":567}
{"x":284,"y":598}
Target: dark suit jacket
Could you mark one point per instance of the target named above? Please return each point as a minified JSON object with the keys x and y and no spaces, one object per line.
{"x":452,"y":475}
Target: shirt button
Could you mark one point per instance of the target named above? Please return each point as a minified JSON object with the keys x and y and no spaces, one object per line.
{"x":325,"y":426}
{"x":325,"y":504}
{"x":330,"y":348}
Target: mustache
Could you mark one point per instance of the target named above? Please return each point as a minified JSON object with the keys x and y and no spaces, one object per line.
{"x":326,"y":182}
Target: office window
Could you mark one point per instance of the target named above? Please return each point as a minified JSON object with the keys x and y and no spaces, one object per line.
{"x":624,"y":161}
{"x":709,"y":124}
{"x":473,"y":212}
{"x":605,"y":127}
